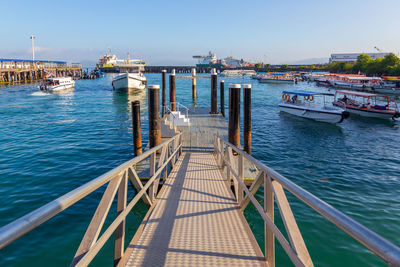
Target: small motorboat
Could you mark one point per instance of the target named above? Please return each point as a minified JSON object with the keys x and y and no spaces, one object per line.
{"x":366,"y":104}
{"x":303,"y":104}
{"x":56,"y":84}
{"x":272,"y":77}
{"x":129,"y":81}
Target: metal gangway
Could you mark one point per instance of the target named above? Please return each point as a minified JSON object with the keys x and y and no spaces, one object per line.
{"x":195,"y":219}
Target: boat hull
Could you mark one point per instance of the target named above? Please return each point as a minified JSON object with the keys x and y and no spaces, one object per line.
{"x":263,"y":80}
{"x":364,"y":112}
{"x":61,"y":87}
{"x":330,"y":116}
{"x":129,"y":81}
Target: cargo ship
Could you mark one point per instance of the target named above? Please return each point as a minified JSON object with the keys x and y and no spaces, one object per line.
{"x":110,"y":63}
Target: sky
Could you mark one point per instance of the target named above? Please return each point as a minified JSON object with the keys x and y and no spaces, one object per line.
{"x":171,"y":32}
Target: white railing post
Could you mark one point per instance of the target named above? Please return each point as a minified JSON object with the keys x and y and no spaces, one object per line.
{"x":152,"y":171}
{"x":119,"y":243}
{"x":269,"y":210}
{"x":239,"y":194}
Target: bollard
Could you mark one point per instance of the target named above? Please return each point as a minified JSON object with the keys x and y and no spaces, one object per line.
{"x":164,"y":92}
{"x":214,"y":95}
{"x":172,"y":91}
{"x":154,"y":115}
{"x":222,"y":97}
{"x":136,"y":128}
{"x":234,"y":114}
{"x":194,"y":93}
{"x":247,"y":118}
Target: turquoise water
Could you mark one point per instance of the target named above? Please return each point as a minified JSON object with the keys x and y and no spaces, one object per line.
{"x":52,"y":143}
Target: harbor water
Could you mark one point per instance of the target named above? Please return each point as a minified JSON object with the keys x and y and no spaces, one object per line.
{"x":52,"y":143}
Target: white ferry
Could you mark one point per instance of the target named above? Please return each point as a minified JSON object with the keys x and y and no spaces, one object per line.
{"x":110,"y":63}
{"x":57,"y":84}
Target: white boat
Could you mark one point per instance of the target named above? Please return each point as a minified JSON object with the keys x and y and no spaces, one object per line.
{"x":277,"y":77}
{"x":249,"y":72}
{"x":231,"y":73}
{"x":126,"y":81}
{"x":309,"y":109}
{"x":57,"y":84}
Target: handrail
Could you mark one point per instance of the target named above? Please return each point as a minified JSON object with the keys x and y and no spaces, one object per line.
{"x":30,"y":221}
{"x":183,"y":106}
{"x":371,"y":240}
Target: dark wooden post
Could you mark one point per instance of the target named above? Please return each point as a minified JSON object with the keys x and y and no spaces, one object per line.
{"x":222,"y":97}
{"x":136,"y":128}
{"x":154,"y":115}
{"x":247,"y":118}
{"x":194,"y":92}
{"x":172,"y":91}
{"x":164,"y":92}
{"x":214,"y":94}
{"x":234,"y":114}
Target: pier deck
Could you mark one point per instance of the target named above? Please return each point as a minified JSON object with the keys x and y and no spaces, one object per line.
{"x":195,"y":222}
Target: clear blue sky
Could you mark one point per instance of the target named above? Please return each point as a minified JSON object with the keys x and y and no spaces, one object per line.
{"x":170,"y":32}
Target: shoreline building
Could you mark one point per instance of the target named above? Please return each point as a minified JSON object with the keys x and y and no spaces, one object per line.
{"x":353,"y":56}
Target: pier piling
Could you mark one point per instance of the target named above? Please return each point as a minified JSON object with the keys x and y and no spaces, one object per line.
{"x":214,"y":94}
{"x":164,"y":92}
{"x":247,"y":118}
{"x":154,"y":115}
{"x":194,"y":93}
{"x":172,"y":91}
{"x":234,"y":114}
{"x":136,"y":128}
{"x":222,"y":97}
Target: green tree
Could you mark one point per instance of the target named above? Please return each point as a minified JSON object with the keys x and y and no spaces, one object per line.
{"x":375,"y":67}
{"x":284,"y":67}
{"x":362,"y":63}
{"x":266,"y":66}
{"x":389,"y":62}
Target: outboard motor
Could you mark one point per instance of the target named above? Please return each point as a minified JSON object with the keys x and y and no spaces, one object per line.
{"x":345,"y":115}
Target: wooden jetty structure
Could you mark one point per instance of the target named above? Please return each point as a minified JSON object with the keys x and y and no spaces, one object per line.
{"x":196,"y":197}
{"x":21,"y":71}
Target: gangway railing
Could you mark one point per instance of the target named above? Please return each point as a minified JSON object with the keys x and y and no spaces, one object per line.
{"x":274,"y":185}
{"x":117,"y":179}
{"x":180,"y":106}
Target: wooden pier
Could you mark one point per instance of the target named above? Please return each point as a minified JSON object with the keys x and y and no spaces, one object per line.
{"x":20,"y":71}
{"x":196,"y":217}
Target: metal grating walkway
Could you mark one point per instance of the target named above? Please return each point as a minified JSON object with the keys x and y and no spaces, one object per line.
{"x":196,"y":221}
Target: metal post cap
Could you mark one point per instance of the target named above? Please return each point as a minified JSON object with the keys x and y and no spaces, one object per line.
{"x":164,"y":71}
{"x":235,"y":85}
{"x":246,"y":86}
{"x":154,"y":86}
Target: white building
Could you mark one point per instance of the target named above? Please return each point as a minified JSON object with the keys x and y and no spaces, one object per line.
{"x":353,"y":56}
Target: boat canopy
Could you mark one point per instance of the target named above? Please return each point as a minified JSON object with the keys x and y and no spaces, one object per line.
{"x":346,"y":92}
{"x":302,"y":93}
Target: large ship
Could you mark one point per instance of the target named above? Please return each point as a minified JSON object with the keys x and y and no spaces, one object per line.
{"x":209,"y":60}
{"x":110,"y":63}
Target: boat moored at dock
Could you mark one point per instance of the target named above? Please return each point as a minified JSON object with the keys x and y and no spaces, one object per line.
{"x":309,"y":109}
{"x":366,"y":104}
{"x":277,"y":78}
{"x":126,"y":81}
{"x":57,"y":84}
